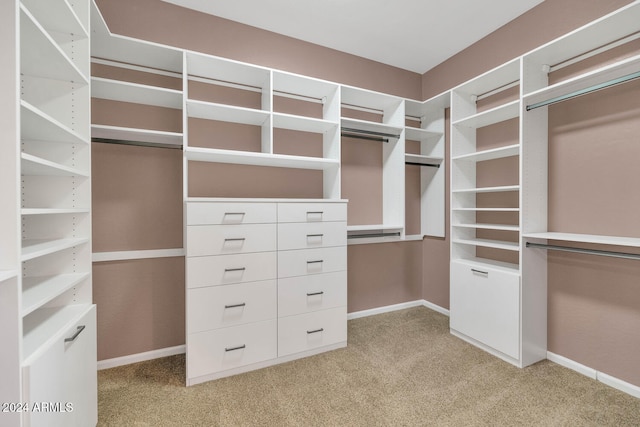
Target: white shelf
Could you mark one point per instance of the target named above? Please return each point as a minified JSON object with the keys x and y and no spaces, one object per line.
{"x":48,"y":211}
{"x":228,"y":71}
{"x":506,"y":267}
{"x":259,"y":159}
{"x":37,"y":291}
{"x":416,"y":134}
{"x":375,"y":228}
{"x":489,"y":189}
{"x":226,"y":113}
{"x":494,"y":153}
{"x":56,"y":15}
{"x":118,"y":133}
{"x":116,"y":90}
{"x":486,"y":243}
{"x":44,"y":325}
{"x":300,"y":123}
{"x":39,"y":126}
{"x":304,"y":86}
{"x":36,"y":248}
{"x":371,"y":126}
{"x":492,"y":79}
{"x":586,"y":238}
{"x":423,"y":160}
{"x":489,"y":226}
{"x":32,"y":165}
{"x":7,"y":275}
{"x":44,"y":58}
{"x":495,"y":115}
{"x":353,"y":96}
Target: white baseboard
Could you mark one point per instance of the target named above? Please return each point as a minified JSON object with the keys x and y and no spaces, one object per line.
{"x":141,"y":357}
{"x":614,"y":382}
{"x":395,"y":307}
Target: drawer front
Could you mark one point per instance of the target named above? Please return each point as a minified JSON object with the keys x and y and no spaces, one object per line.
{"x":304,"y":294}
{"x":311,"y":235}
{"x":230,"y":305}
{"x":221,"y":349}
{"x":312,"y":261}
{"x":486,"y":307}
{"x":230,"y":239}
{"x":312,"y":330}
{"x":312,"y":212}
{"x":202,"y":213}
{"x":226,"y":269}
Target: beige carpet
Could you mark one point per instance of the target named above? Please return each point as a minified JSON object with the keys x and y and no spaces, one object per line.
{"x":400,"y":369}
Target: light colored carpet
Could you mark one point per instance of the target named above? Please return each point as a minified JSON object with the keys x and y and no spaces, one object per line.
{"x":399,"y":369}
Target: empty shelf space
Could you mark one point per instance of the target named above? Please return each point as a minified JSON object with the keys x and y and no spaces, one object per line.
{"x":300,"y":123}
{"x":44,"y":58}
{"x":116,"y":90}
{"x":371,"y":127}
{"x":259,"y":159}
{"x":226,"y":71}
{"x":492,"y":116}
{"x":37,"y":125}
{"x":38,"y":247}
{"x":52,"y":211}
{"x":7,"y":275}
{"x":489,"y":189}
{"x":481,"y":226}
{"x":486,"y":243}
{"x":46,"y":324}
{"x":56,"y":15}
{"x":32,"y":165}
{"x":490,"y":263}
{"x":586,"y":238}
{"x":416,"y":134}
{"x":419,"y":159}
{"x":37,"y":291}
{"x":116,"y":133}
{"x":494,"y":153}
{"x":226,"y":113}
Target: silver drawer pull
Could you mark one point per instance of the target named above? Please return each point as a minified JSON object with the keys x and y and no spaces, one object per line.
{"x":236,"y":239}
{"x":315,"y":331}
{"x":78,"y":332}
{"x":318,"y":261}
{"x":235,"y":305}
{"x":310,"y":294}
{"x":314,"y":235}
{"x":315,"y":212}
{"x":480,"y":271}
{"x":234,"y":213}
{"x":227,"y":270}
{"x":240,"y":347}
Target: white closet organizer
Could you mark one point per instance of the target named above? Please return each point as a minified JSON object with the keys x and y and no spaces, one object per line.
{"x":49,"y":328}
{"x":266,"y":283}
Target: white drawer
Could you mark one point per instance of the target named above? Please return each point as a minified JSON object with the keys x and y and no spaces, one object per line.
{"x":201,"y":213}
{"x":312,"y":261}
{"x":221,"y":349}
{"x":312,"y":212}
{"x":304,"y":294}
{"x":221,"y":306}
{"x":311,"y":235}
{"x":230,"y":239}
{"x":485,"y":305}
{"x":226,"y":269}
{"x":311,"y":330}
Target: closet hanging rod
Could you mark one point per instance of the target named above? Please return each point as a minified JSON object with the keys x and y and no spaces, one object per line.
{"x":225,"y":83}
{"x":613,"y":254}
{"x":431,"y":165}
{"x":136,"y":143}
{"x":367,"y":138}
{"x":370,"y":132}
{"x":359,"y":108}
{"x":585,"y":91}
{"x":369,"y":235}
{"x":143,"y":68}
{"x":497,"y":90}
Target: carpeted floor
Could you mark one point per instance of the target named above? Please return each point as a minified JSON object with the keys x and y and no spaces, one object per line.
{"x":399,"y":369}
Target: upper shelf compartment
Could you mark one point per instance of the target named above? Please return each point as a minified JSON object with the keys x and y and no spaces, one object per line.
{"x":383,"y":113}
{"x":58,"y":15}
{"x":306,"y":91}
{"x":136,"y":93}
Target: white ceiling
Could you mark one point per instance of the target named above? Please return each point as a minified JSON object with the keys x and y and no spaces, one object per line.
{"x":412,"y":34}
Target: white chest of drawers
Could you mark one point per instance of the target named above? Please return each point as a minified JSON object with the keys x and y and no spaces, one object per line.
{"x":266,"y":283}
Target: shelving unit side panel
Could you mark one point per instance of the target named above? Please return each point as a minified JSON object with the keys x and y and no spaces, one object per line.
{"x":534,"y":171}
{"x":10,"y":334}
{"x":393,"y":181}
{"x":432,"y":180}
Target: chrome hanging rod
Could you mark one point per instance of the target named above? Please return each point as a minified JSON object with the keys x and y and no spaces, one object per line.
{"x":368,"y":138}
{"x":585,"y":91}
{"x":136,"y":143}
{"x":613,"y":254}
{"x":364,"y":109}
{"x":370,"y":132}
{"x":497,"y":90}
{"x":143,"y":68}
{"x":369,"y":235}
{"x":431,"y":165}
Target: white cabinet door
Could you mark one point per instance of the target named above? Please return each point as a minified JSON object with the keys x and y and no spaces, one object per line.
{"x":230,"y":239}
{"x":311,"y":235}
{"x":304,"y":294}
{"x":226,"y":269}
{"x":485,"y":305}
{"x":63,"y":380}
{"x":311,"y":330}
{"x":311,"y":261}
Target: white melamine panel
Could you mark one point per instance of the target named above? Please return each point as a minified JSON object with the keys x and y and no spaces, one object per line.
{"x":489,"y":117}
{"x":118,"y":133}
{"x":35,"y":124}
{"x":311,"y":330}
{"x":485,"y":306}
{"x":487,"y":243}
{"x":353,"y":96}
{"x":586,"y":238}
{"x":367,"y":126}
{"x":311,"y":212}
{"x":57,"y":15}
{"x":221,"y":349}
{"x":494,"y":153}
{"x":37,"y":291}
{"x":227,"y":269}
{"x":228,"y":71}
{"x":230,"y":239}
{"x":423,"y":160}
{"x":201,"y":213}
{"x":311,"y":235}
{"x":311,"y":261}
{"x":260,"y":159}
{"x":303,"y":124}
{"x":298,"y":295}
{"x":230,"y":305}
{"x":226,"y":113}
{"x":36,"y":248}
{"x":117,"y":90}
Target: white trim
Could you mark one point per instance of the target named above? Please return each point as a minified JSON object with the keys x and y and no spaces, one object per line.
{"x":141,"y":357}
{"x":614,"y":382}
{"x":396,"y":307}
{"x":145,"y":254}
{"x":435,"y":307}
